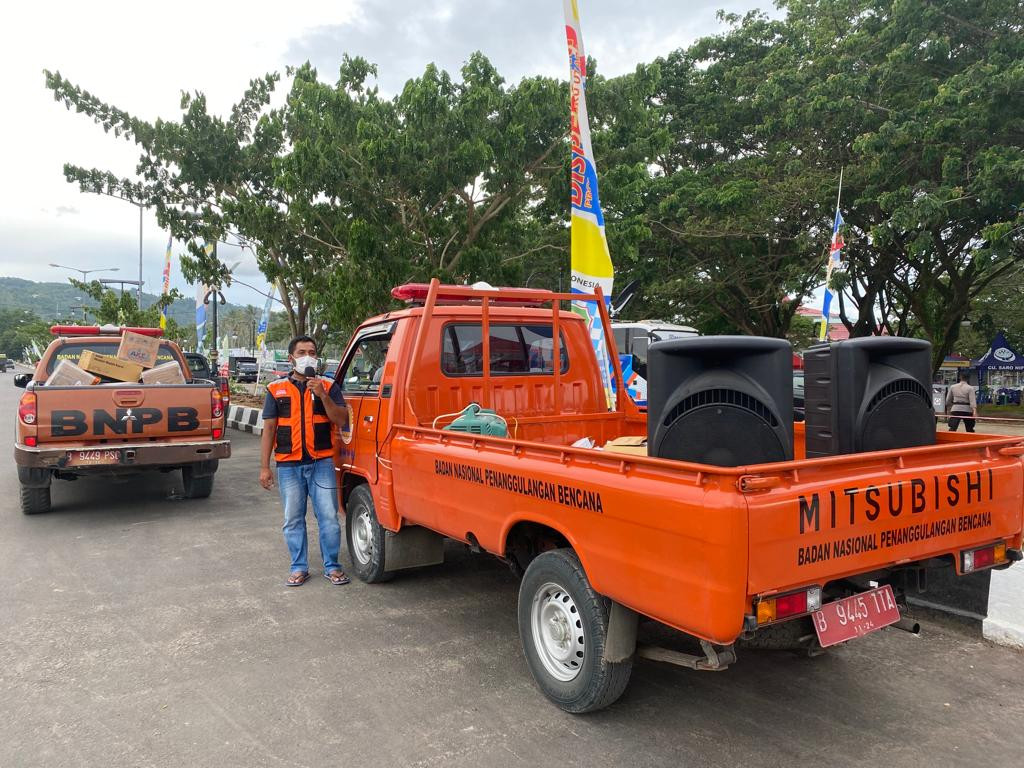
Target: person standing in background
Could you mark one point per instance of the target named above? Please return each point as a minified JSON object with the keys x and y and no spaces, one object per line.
{"x":961,"y":404}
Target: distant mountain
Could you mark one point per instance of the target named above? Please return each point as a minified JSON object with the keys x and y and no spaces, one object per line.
{"x":62,"y":301}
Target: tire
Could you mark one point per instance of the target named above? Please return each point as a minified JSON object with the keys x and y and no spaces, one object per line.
{"x":35,"y":501}
{"x":366,"y":537}
{"x":556,"y":598}
{"x":196,"y":486}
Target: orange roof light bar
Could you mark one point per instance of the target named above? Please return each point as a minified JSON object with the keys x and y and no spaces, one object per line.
{"x":101,"y":330}
{"x":416,"y":293}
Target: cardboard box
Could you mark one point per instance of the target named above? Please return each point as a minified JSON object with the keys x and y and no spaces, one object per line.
{"x":166,"y":373}
{"x":67,"y":374}
{"x":632,"y":444}
{"x":110,"y":366}
{"x":136,"y":348}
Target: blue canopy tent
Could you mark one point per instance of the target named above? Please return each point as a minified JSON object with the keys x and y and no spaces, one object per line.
{"x":1000,"y":372}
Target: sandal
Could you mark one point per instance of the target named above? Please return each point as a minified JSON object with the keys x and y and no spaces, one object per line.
{"x":297,"y":579}
{"x":337,"y":578}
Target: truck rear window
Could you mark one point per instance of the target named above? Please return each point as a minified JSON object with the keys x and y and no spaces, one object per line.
{"x":524,"y":350}
{"x":73,"y":350}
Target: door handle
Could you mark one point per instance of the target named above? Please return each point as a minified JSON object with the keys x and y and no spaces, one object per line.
{"x":368,"y":419}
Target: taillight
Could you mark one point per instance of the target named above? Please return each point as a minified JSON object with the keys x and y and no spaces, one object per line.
{"x":225,"y":391}
{"x":216,"y":403}
{"x":985,"y":557}
{"x":218,"y":433}
{"x":771,"y":609}
{"x":28,"y":416}
{"x":27,"y":409}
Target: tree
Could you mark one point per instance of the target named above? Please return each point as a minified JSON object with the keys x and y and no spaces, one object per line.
{"x":121,"y":308}
{"x":18,"y":329}
{"x":918,"y":100}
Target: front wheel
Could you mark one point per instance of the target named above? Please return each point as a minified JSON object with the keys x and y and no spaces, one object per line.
{"x":563,"y":625}
{"x":365,"y":536}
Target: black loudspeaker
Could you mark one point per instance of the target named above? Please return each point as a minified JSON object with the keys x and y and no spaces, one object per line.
{"x":868,"y":394}
{"x":721,"y":400}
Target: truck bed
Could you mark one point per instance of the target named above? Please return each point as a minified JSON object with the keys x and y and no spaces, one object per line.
{"x":692,"y":545}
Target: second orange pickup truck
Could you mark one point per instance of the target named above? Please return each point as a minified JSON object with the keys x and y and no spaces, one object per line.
{"x":115,"y":428}
{"x":809,"y":552}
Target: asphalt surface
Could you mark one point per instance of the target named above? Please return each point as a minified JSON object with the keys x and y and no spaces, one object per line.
{"x":138,"y":629}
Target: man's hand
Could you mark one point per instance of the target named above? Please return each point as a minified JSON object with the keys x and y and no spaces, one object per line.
{"x":317,"y":387}
{"x":266,"y":478}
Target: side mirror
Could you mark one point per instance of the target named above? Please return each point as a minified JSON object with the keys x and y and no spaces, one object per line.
{"x":22,"y":379}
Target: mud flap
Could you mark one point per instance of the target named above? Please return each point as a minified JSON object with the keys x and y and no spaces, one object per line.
{"x":412,"y":547}
{"x":622,"y":627}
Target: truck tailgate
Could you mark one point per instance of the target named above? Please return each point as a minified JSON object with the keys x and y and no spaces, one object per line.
{"x":840,"y":516}
{"x":112,"y":413}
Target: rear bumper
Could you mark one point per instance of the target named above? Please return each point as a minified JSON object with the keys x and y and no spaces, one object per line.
{"x":133,"y":455}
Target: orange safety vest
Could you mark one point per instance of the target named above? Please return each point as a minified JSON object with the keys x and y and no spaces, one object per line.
{"x":300,"y":422}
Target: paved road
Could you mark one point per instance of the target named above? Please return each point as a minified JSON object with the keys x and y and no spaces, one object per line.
{"x":141,"y":630}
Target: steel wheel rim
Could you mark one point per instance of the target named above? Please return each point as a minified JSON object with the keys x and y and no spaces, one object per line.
{"x":558,"y":634}
{"x":362,"y":537}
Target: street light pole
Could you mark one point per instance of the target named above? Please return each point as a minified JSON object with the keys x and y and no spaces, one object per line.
{"x":85,"y":272}
{"x":140,"y":259}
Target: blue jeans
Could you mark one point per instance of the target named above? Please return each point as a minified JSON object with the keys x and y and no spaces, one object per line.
{"x":316,"y":481}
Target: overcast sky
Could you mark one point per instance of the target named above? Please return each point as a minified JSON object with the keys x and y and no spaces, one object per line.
{"x":140,"y":56}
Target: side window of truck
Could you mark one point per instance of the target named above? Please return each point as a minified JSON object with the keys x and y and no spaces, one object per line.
{"x":365,"y":367}
{"x":514,"y":349}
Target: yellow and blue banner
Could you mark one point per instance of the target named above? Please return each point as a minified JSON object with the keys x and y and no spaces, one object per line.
{"x":835,"y":254}
{"x":167,"y":282}
{"x":261,"y":330}
{"x":591,"y":261}
{"x":201,"y":289}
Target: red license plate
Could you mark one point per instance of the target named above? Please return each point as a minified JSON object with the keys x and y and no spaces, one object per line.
{"x":855,"y":616}
{"x":96,"y":457}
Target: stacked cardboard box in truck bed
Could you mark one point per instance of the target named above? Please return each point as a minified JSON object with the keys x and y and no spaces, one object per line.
{"x":110,"y":366}
{"x":138,"y":348}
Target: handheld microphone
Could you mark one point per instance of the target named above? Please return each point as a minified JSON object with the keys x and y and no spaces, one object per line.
{"x":310,"y":373}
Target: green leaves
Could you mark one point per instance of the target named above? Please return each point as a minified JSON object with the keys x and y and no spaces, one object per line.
{"x":718,"y":167}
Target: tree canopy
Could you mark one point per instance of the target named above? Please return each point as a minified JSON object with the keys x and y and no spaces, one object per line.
{"x":719,"y":166}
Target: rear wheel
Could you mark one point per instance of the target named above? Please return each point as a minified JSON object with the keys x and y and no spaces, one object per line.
{"x":196,"y":486}
{"x":365,"y":536}
{"x":563,"y":625}
{"x":35,"y":501}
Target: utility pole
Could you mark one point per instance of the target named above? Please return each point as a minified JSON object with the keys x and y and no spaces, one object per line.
{"x":218,"y":297}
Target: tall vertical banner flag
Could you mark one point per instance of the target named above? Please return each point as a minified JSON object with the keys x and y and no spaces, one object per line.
{"x":167,"y":282}
{"x":201,"y":289}
{"x":835,"y":252}
{"x":591,"y":261}
{"x":261,"y":329}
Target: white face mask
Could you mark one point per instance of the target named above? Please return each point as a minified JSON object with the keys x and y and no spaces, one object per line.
{"x":304,"y":362}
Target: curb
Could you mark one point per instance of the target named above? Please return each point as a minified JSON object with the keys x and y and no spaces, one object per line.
{"x":245,"y":419}
{"x":1005,"y":621}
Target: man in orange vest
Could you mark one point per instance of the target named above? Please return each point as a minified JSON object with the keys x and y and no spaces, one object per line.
{"x":299,"y":418}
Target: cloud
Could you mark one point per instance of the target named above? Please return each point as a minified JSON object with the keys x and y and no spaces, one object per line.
{"x":520,"y":39}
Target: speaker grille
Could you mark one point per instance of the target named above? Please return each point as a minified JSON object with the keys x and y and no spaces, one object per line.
{"x":728,"y":397}
{"x":899,"y":387}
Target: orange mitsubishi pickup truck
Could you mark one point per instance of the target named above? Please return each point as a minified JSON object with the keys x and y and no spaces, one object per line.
{"x":463,"y":427}
{"x":114,"y":428}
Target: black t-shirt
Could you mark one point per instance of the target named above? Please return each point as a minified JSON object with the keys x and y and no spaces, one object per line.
{"x":270,"y":412}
